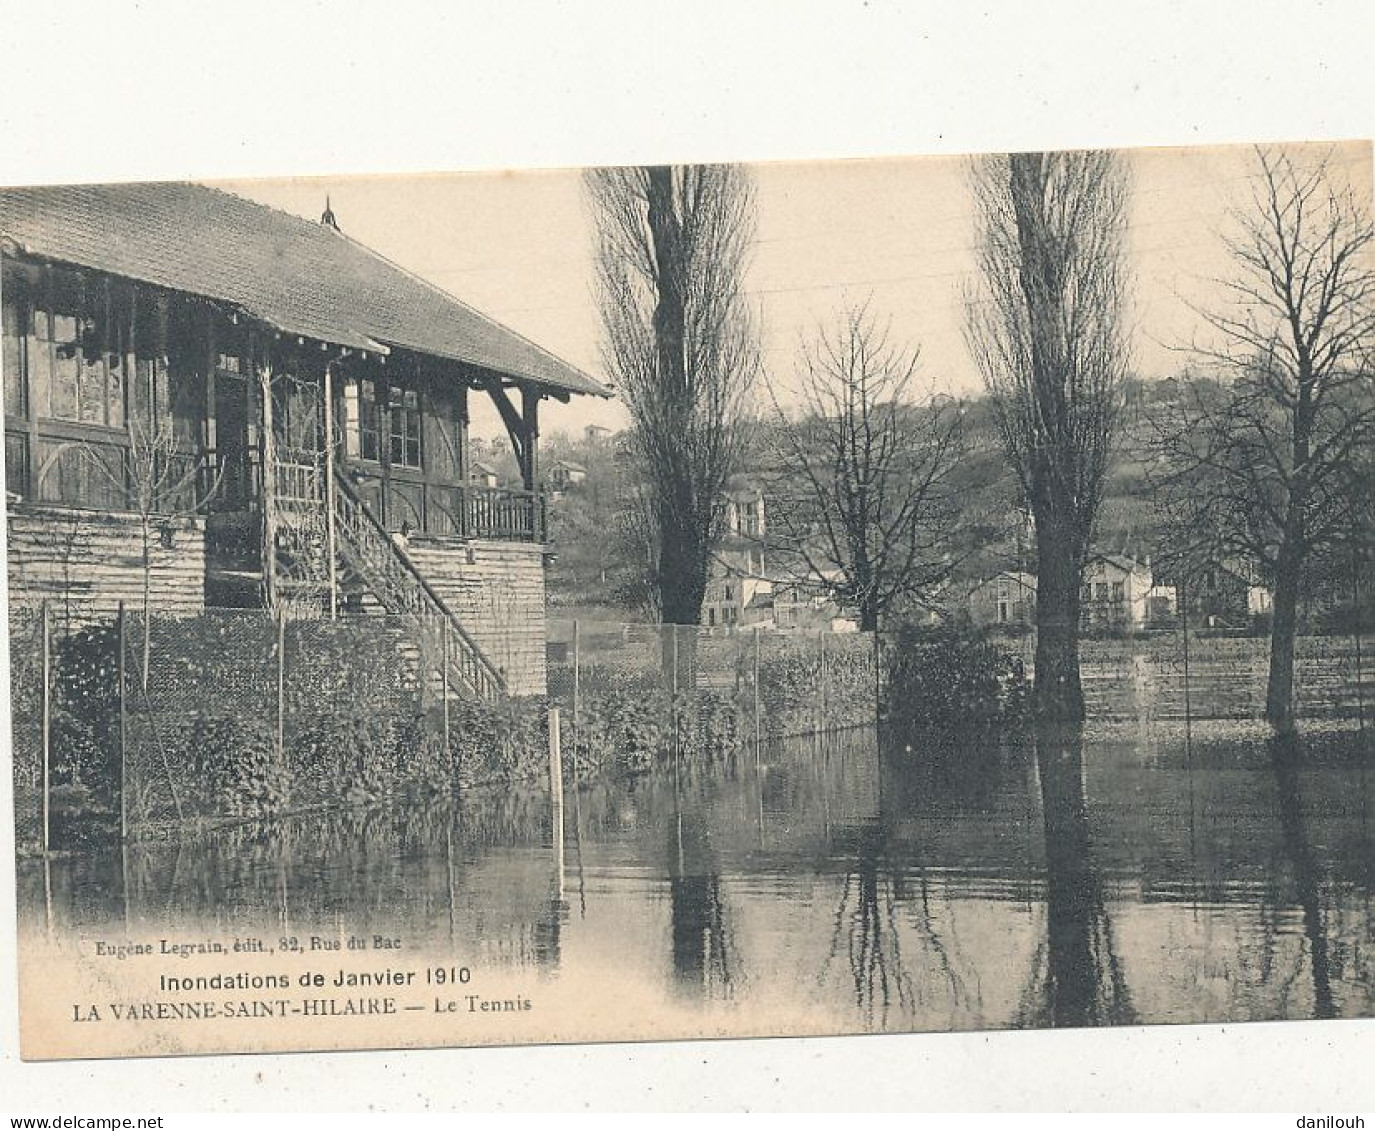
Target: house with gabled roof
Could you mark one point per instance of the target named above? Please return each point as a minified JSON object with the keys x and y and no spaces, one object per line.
{"x":1115,"y":593}
{"x":303,"y":405}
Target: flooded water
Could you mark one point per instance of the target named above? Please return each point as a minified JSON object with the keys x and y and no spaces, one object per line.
{"x":1123,"y":876}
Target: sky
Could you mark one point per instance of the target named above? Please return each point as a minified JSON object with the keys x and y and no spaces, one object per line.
{"x":897,"y":233}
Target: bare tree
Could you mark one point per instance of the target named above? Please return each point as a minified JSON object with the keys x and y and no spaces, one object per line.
{"x":163,"y":482}
{"x":681,"y":345}
{"x":863,"y":485}
{"x":1045,"y":328}
{"x":1270,"y":460}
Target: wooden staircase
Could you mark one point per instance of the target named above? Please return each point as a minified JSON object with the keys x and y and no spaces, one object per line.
{"x":299,"y":534}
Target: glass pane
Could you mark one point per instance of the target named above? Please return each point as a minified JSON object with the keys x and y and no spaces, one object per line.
{"x":351,"y":444}
{"x":13,"y":361}
{"x":115,"y":389}
{"x":64,"y":384}
{"x":91,"y":376}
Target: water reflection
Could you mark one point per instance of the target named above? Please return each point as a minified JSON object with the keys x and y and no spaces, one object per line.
{"x":1286,"y":752}
{"x":1078,"y":980}
{"x":701,"y":944}
{"x":1068,"y":878}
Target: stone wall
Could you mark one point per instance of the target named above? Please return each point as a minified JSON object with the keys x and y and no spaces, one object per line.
{"x":496,"y":589}
{"x":84,"y":563}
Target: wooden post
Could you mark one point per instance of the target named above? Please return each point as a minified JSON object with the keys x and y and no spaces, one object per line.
{"x":821,"y":674}
{"x":269,"y":474}
{"x":556,"y":789}
{"x":46,"y":698}
{"x":878,"y":677}
{"x":673,"y":693}
{"x":444,"y":666}
{"x":1184,"y":625}
{"x":577,"y":689}
{"x":757,"y":727}
{"x":281,"y":685}
{"x":123,"y":731}
{"x":330,"y":537}
{"x":1356,"y":627}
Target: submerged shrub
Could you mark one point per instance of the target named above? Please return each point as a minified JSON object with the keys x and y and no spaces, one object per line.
{"x":236,"y":768}
{"x":954,"y":675}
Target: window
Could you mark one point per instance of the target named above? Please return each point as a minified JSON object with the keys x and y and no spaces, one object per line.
{"x":362,"y":428}
{"x":1100,"y":591}
{"x":73,"y":353}
{"x":13,"y":360}
{"x":1118,"y":591}
{"x":405,"y":426}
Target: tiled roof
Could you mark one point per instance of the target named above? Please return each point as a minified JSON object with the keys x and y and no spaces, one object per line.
{"x":300,"y":277}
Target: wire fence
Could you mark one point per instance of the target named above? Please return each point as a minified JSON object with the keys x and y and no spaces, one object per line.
{"x":132,"y":727}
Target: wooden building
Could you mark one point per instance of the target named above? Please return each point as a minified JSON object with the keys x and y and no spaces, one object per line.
{"x":254,"y":409}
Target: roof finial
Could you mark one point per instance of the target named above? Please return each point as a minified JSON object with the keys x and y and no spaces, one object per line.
{"x":327,"y":217}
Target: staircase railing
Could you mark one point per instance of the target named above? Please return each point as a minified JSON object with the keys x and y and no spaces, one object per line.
{"x":402,"y":589}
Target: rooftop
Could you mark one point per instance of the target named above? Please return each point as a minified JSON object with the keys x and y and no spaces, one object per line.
{"x":300,"y":277}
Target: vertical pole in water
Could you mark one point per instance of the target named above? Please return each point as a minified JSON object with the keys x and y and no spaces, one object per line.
{"x":46,"y":697}
{"x":878,"y":678}
{"x":444,"y":685}
{"x":755,"y":681}
{"x":330,"y":537}
{"x":281,"y":684}
{"x":1184,"y":625}
{"x":1356,"y":626}
{"x":556,"y":792}
{"x":821,"y":673}
{"x":577,"y":690}
{"x":673,"y":631}
{"x":123,"y":732}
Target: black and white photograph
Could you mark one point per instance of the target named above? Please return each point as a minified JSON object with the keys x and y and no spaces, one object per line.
{"x":766,"y":557}
{"x":918,"y":594}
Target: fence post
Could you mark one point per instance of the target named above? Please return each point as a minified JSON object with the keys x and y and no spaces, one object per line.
{"x":556,"y":788}
{"x":331,"y":546}
{"x":46,"y":696}
{"x":673,"y":694}
{"x":1356,"y":627}
{"x":1184,"y":626}
{"x":757,"y":729}
{"x":821,"y":673}
{"x":281,"y":684}
{"x":878,"y":678}
{"x":577,"y":689}
{"x":123,"y":730}
{"x":444,"y":641}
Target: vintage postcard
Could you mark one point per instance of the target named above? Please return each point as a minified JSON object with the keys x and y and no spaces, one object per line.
{"x":698,"y":601}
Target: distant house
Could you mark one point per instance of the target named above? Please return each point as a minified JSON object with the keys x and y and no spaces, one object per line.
{"x":596,"y":435}
{"x":1226,"y":594}
{"x":739,"y":590}
{"x":1007,"y":599}
{"x":565,"y":473}
{"x":1115,"y":593}
{"x":483,"y":475}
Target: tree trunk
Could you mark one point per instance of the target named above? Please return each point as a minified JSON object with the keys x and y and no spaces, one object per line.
{"x":1279,"y":692}
{"x":868,"y":618}
{"x":1059,"y":695}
